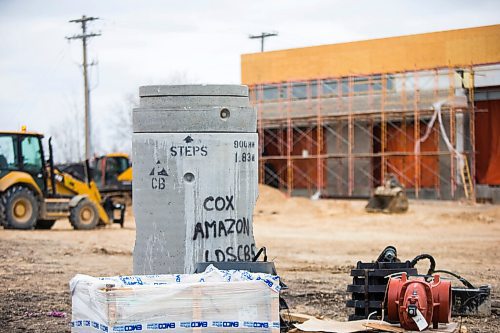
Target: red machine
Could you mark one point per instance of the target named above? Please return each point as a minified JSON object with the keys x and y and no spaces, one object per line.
{"x":416,"y":303}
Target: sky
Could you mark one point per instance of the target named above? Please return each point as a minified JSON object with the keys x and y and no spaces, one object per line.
{"x":160,"y":42}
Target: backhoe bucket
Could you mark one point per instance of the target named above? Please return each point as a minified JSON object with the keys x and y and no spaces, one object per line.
{"x":120,"y":207}
{"x":381,"y":203}
{"x":115,"y":211}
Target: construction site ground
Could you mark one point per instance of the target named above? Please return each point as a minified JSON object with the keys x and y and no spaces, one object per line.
{"x":313,"y":243}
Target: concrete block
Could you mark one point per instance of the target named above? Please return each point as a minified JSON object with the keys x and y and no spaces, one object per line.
{"x":218,"y":119}
{"x":195,"y":180}
{"x":194,"y":90}
{"x":191,"y":102}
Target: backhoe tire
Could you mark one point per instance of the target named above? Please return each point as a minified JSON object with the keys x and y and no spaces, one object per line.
{"x":84,"y":215}
{"x":44,"y":224}
{"x":19,"y":208}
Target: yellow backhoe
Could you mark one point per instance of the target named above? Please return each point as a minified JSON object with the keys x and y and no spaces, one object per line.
{"x":34,"y":194}
{"x":112,"y":173}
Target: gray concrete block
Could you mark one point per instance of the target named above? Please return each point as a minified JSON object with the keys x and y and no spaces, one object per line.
{"x":193,"y":200}
{"x":195,"y":178}
{"x":192,"y":102}
{"x":194,"y":90}
{"x":227,"y":119}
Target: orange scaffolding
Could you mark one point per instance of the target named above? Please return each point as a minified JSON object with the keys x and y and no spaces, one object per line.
{"x":341,"y":136}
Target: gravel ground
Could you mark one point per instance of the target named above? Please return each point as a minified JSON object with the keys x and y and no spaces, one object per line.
{"x":313,"y":243}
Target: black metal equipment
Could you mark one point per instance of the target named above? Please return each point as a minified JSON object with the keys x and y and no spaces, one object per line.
{"x":468,"y":301}
{"x":471,"y":301}
{"x":369,"y":283}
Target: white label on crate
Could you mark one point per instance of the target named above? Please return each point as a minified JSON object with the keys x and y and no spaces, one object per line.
{"x":420,"y":321}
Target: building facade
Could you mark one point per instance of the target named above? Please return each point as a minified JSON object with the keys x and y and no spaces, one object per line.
{"x":337,"y":119}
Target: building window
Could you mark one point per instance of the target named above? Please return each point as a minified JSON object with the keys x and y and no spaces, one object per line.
{"x":329,"y":88}
{"x":270,"y":92}
{"x":377,"y":82}
{"x":389,"y":82}
{"x":361,"y":85}
{"x":303,"y":90}
{"x":299,"y":90}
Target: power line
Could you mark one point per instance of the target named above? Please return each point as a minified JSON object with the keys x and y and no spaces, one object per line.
{"x":262,"y":37}
{"x":84,"y":36}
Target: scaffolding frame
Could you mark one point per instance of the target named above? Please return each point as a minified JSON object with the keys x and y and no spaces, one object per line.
{"x":311,"y":143}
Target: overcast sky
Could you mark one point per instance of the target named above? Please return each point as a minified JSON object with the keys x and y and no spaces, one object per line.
{"x":154,"y":42}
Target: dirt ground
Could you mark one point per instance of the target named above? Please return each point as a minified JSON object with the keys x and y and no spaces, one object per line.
{"x":313,"y":243}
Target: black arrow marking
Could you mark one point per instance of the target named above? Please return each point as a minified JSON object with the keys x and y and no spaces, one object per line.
{"x":162,"y":172}
{"x":152,"y":173}
{"x":188,"y":139}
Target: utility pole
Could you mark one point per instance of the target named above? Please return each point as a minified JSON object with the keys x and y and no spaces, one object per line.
{"x":83,"y":37}
{"x":263,"y":36}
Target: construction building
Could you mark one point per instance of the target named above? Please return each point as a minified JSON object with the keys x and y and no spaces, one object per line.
{"x":337,"y":119}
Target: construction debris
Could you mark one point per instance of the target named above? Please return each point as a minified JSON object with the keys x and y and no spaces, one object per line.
{"x":307,"y":323}
{"x":329,"y":325}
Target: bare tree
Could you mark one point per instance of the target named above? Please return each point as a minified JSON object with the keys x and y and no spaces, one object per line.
{"x":120,"y":130}
{"x":67,"y":136}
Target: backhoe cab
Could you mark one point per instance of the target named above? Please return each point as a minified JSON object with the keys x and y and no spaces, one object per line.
{"x":34,"y":194}
{"x":112,"y":174}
